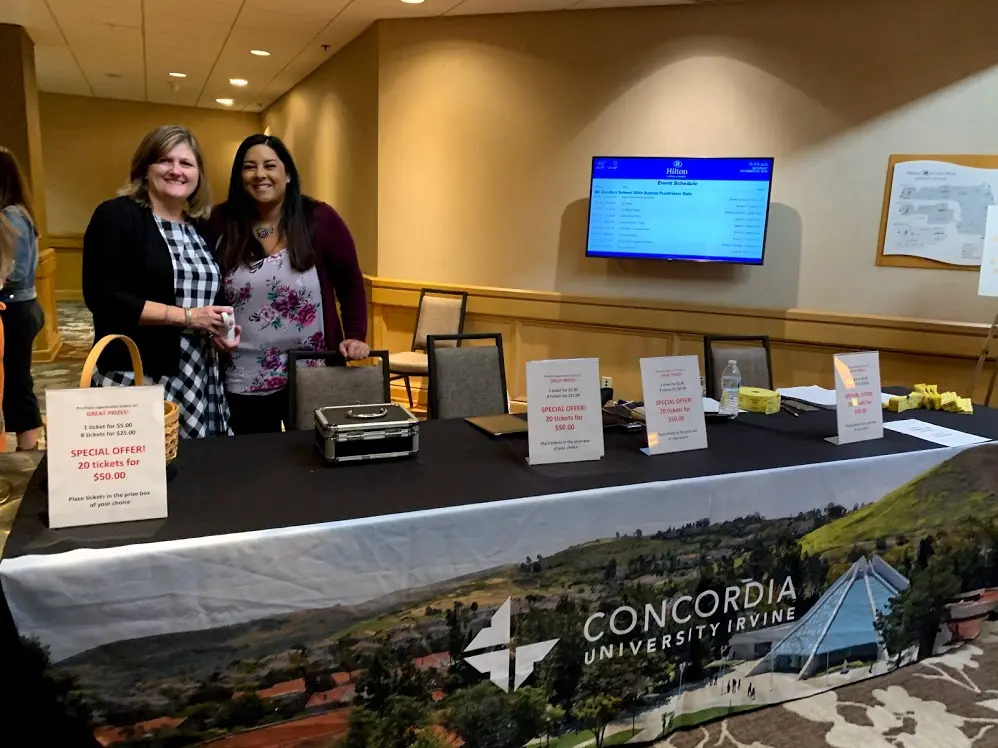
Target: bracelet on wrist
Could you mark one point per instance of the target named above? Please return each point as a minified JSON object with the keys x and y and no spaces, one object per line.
{"x":187,"y":318}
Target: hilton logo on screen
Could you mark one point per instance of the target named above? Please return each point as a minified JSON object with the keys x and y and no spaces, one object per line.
{"x":495,"y":664}
{"x":677,"y":170}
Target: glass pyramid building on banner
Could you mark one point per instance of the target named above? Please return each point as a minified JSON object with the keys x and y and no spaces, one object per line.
{"x":839,"y":627}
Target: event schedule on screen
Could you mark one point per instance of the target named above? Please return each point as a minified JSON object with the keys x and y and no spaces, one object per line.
{"x":712,"y":209}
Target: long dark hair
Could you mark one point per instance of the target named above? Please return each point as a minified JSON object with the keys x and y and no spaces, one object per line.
{"x":13,"y":186}
{"x":238,"y":244}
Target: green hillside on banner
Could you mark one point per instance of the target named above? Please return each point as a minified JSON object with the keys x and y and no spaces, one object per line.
{"x":255,"y":654}
{"x":619,"y":638}
{"x":962,"y":489}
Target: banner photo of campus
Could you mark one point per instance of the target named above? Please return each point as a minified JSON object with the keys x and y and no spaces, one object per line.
{"x":619,"y":639}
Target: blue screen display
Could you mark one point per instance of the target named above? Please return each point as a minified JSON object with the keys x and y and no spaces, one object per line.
{"x":697,"y":209}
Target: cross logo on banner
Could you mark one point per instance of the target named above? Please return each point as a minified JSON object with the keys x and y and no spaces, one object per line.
{"x":496,"y":664}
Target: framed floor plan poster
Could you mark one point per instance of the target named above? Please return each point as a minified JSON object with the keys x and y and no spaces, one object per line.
{"x":935,"y":210}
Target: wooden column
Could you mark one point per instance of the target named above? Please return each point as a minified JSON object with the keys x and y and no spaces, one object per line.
{"x":48,"y":342}
{"x":20,"y":130}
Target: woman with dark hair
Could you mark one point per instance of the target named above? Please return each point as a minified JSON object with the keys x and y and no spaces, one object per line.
{"x":287,"y":260}
{"x":22,"y":317}
{"x":148,"y":273}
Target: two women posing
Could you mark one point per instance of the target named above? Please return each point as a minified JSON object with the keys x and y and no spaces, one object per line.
{"x":161,"y":267}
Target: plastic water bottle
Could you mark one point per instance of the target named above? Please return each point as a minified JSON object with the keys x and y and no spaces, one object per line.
{"x":731,"y":381}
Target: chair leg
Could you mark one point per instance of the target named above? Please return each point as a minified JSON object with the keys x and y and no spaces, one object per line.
{"x":408,"y":391}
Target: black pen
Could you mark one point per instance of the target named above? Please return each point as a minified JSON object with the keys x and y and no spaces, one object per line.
{"x":791,"y":411}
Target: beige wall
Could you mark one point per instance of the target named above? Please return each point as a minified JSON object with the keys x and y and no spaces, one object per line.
{"x":329,"y":121}
{"x":486,"y":127}
{"x":88,"y":144}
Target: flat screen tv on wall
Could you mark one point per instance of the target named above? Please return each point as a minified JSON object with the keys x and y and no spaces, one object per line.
{"x":677,"y":208}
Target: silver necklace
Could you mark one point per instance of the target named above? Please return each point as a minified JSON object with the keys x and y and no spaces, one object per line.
{"x":263,"y":232}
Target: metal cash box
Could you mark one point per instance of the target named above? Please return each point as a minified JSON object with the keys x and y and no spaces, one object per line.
{"x":352,"y":433}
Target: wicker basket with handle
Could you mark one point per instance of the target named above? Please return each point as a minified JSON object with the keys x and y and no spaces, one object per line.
{"x":171,"y":412}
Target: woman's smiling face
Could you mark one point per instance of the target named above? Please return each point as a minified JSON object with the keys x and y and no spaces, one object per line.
{"x":174,"y":176}
{"x":264,"y":175}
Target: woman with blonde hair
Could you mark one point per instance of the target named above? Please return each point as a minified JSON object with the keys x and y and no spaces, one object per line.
{"x":149,"y":274}
{"x":22,"y":315}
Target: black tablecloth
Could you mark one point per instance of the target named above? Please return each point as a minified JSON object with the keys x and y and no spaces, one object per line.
{"x":228,"y":485}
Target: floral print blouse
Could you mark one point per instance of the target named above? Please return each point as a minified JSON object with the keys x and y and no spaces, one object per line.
{"x":279,"y":310}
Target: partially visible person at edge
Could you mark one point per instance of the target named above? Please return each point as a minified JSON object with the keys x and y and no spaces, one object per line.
{"x":287,"y":259}
{"x":8,"y":245}
{"x":22,"y":315}
{"x":149,"y":274}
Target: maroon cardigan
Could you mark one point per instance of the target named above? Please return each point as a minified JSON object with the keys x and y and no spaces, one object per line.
{"x":340,"y":279}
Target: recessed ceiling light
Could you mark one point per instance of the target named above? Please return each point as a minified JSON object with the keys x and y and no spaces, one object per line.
{"x":260,"y":52}
{"x":178,"y":75}
{"x":238,"y":81}
{"x":412,"y":2}
{"x":224,"y":102}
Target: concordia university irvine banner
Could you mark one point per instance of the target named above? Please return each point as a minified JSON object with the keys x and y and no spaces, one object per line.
{"x":607,"y":639}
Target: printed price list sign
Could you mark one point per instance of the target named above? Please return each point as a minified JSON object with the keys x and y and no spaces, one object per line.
{"x":564,"y":414}
{"x":858,"y":410}
{"x":106,"y":455}
{"x":673,"y":404}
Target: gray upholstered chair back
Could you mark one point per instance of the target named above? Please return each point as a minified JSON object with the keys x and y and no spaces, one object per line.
{"x":440,"y":313}
{"x":317,"y":386}
{"x":466,"y":380}
{"x":752,"y":356}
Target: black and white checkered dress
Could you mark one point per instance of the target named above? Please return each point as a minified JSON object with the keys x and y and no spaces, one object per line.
{"x":197,"y":387}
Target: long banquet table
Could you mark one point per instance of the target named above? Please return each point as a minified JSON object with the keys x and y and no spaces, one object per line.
{"x":259,"y":528}
{"x":252,"y":483}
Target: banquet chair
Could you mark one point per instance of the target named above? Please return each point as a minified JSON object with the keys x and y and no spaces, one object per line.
{"x":466,"y":381}
{"x":751,"y":352}
{"x":311,"y":387}
{"x":439,"y":313}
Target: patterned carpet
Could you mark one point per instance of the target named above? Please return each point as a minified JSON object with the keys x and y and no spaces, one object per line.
{"x":76,"y":329}
{"x":77,"y":334}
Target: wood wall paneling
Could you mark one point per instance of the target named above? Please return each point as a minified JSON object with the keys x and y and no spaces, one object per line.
{"x":537,"y":325}
{"x":48,"y":342}
{"x":68,"y":266}
{"x":617,"y":350}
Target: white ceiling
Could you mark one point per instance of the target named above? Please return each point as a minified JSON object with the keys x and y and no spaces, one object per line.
{"x":125,"y":49}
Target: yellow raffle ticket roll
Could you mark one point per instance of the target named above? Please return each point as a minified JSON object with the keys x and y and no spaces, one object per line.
{"x":758,"y":400}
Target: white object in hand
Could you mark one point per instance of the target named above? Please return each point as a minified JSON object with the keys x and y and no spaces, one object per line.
{"x":230,"y":324}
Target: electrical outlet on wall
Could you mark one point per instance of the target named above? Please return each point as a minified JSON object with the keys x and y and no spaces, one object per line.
{"x":605,"y":382}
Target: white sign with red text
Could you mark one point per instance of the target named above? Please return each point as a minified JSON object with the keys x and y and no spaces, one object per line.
{"x":106,"y":455}
{"x":858,"y":403}
{"x":673,"y":404}
{"x":564,"y":411}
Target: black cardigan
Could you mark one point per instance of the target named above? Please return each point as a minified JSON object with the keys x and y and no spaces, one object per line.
{"x":125,"y":264}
